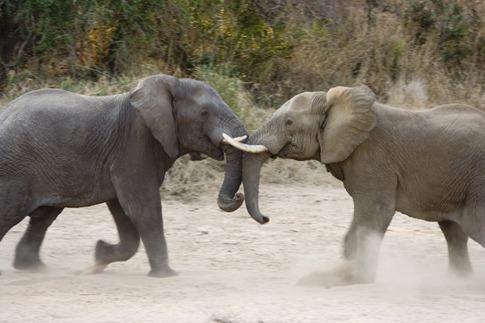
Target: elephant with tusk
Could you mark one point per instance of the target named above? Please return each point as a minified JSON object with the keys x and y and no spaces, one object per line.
{"x":428,"y":164}
{"x":60,"y":149}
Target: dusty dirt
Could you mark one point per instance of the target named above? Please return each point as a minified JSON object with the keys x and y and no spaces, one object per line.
{"x":232,"y":269}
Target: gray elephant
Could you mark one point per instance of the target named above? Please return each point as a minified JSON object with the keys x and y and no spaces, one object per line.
{"x":60,"y":149}
{"x":427,"y":164}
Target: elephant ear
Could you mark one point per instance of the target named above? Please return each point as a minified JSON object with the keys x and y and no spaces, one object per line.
{"x":153,"y":100}
{"x":348,"y":123}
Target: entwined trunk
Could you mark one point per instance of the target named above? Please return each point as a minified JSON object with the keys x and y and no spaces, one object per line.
{"x":252,"y":164}
{"x":229,"y":200}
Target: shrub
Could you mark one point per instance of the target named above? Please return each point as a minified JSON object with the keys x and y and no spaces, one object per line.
{"x":275,"y":49}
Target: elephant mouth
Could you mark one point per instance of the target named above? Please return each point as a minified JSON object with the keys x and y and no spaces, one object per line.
{"x":284,"y":152}
{"x":216,"y":149}
{"x":292,"y":151}
{"x":219,"y":155}
{"x":211,"y":149}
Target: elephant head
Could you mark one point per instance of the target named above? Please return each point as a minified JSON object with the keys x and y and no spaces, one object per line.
{"x":189,"y":116}
{"x":311,"y":125}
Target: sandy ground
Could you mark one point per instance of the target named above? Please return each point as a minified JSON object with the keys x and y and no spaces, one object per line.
{"x":235,"y":270}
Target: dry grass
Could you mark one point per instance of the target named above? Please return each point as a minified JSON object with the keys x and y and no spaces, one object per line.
{"x":383,"y":55}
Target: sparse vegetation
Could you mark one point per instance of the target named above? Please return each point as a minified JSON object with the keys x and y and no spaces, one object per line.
{"x":257,"y":54}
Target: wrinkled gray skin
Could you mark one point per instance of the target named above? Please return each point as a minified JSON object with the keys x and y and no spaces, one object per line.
{"x":428,"y":164}
{"x":59,"y":149}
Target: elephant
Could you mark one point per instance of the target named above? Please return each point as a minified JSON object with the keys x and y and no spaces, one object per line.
{"x":427,"y":164}
{"x":59,"y":149}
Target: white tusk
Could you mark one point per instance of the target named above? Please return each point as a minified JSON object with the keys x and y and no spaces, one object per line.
{"x":255,"y":149}
{"x":238,"y":139}
{"x":241,"y":139}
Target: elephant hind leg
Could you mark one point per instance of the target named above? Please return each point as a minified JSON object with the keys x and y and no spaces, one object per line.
{"x":107,"y":253}
{"x":475,"y":209}
{"x":473,"y":218}
{"x":27,"y":251}
{"x":7,"y":222}
{"x":12,"y":210}
{"x":457,"y":239}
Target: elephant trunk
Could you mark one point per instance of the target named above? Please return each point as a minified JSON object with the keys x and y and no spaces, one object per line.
{"x":252,"y":164}
{"x":229,"y":199}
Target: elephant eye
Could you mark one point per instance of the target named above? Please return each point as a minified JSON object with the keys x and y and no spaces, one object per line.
{"x":289,"y":122}
{"x":205,"y":114}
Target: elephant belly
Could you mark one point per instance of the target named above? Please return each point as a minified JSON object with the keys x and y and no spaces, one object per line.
{"x":431,"y":216}
{"x":74,"y":201}
{"x":428,"y":207}
{"x":74,"y":193}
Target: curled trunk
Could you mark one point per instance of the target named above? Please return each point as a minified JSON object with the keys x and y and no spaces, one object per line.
{"x":229,"y":199}
{"x":252,"y":164}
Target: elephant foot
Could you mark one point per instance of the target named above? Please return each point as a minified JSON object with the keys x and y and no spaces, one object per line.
{"x":341,"y":275}
{"x":107,"y":253}
{"x":104,"y":252}
{"x":162,"y":273}
{"x":462,"y":269}
{"x":29,"y":264}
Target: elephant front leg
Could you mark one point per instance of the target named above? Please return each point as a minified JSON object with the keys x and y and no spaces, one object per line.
{"x":27,"y":250}
{"x":148,"y":222}
{"x":150,"y":227}
{"x":372,"y":216}
{"x":364,"y":262}
{"x":350,"y":242}
{"x":361,"y":248}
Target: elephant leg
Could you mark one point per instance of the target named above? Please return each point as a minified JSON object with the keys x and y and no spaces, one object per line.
{"x":350,"y":242}
{"x":473,"y":219}
{"x":150,"y":228}
{"x":27,"y":251}
{"x":369,"y":232}
{"x":9,"y":217}
{"x":372,"y":215}
{"x":456,"y":238}
{"x":12,"y":207}
{"x":8,"y":222}
{"x":107,"y":253}
{"x":361,"y":247}
{"x":140,"y":200}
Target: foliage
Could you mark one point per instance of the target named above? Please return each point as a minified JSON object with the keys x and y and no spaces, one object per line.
{"x":448,"y":22}
{"x":273,"y":48}
{"x":234,"y":93}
